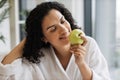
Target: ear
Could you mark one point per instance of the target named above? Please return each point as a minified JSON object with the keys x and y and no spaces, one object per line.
{"x":44,"y":40}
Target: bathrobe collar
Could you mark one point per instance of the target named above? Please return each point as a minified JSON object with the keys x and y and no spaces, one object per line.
{"x":51,"y":60}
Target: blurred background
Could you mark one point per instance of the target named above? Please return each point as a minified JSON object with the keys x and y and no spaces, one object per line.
{"x":99,"y":19}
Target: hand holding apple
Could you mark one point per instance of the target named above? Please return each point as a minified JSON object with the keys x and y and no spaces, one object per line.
{"x":75,"y":38}
{"x":79,"y":51}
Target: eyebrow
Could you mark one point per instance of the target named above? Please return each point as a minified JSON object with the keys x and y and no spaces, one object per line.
{"x":54,"y":24}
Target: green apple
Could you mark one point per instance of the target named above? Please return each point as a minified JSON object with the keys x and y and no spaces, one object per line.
{"x":75,"y":38}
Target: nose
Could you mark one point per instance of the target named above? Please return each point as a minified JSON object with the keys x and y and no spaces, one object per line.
{"x":63,"y":30}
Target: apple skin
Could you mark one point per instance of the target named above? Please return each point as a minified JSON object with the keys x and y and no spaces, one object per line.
{"x":75,"y":38}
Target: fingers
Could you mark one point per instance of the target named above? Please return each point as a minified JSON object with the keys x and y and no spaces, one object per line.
{"x":77,"y":49}
{"x":79,"y":52}
{"x":85,"y":40}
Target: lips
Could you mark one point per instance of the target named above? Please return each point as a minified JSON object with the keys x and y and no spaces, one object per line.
{"x":63,"y":37}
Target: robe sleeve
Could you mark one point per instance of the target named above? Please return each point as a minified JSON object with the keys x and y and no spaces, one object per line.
{"x":98,"y":63}
{"x":20,"y":70}
{"x":7,"y":72}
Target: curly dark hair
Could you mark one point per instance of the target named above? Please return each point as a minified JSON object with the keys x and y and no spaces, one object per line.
{"x":34,"y":34}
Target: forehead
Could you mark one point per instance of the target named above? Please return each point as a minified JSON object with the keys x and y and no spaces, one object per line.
{"x":51,"y":18}
{"x":53,"y":14}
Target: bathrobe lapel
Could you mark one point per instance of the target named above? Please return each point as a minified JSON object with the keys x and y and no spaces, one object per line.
{"x":53,"y":70}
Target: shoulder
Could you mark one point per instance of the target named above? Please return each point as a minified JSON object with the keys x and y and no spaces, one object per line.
{"x":91,"y":41}
{"x":93,"y":50}
{"x":92,"y":47}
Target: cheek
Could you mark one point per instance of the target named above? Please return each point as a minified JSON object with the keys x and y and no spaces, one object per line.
{"x":51,"y":37}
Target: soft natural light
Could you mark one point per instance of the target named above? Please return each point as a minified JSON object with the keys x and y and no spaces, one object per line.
{"x":105,"y":17}
{"x":118,"y":19}
{"x":116,"y":71}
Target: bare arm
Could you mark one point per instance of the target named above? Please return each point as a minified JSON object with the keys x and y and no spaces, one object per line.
{"x":14,"y":54}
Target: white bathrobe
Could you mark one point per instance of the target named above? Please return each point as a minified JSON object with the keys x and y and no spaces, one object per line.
{"x":50,"y":67}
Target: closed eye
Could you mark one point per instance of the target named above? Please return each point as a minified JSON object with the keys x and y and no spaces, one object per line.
{"x":52,"y":28}
{"x":62,"y":20}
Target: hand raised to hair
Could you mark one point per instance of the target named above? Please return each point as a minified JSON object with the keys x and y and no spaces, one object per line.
{"x":14,"y":53}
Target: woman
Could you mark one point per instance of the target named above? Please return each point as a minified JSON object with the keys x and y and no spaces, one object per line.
{"x":46,"y":53}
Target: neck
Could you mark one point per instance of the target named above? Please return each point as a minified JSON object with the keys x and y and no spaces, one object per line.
{"x":62,"y":52}
{"x":63,"y":56}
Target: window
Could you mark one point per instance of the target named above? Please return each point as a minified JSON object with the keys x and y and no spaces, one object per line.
{"x":24,"y":8}
{"x":116,"y":69}
{"x":4,"y":28}
{"x":106,"y":26}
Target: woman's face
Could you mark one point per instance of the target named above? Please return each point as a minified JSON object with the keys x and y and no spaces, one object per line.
{"x":56,"y":29}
